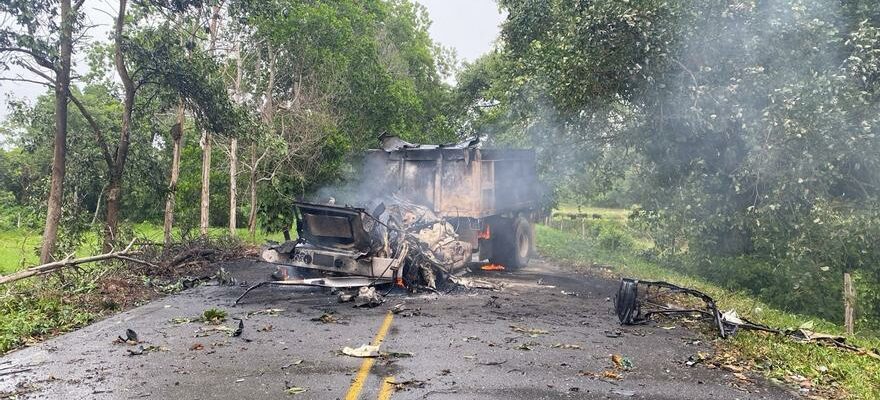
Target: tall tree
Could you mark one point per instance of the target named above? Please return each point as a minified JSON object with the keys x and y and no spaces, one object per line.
{"x":52,"y":53}
{"x":205,"y":202}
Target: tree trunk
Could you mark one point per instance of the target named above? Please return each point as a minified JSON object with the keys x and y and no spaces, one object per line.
{"x":233,"y":182}
{"x":252,"y":217}
{"x":176,"y":139}
{"x":112,"y":220}
{"x":233,"y":151}
{"x":59,"y":157}
{"x":205,"y":204}
{"x":117,"y":167}
{"x":204,"y":217}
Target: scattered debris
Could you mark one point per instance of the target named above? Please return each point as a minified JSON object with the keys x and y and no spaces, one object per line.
{"x":406,"y":385}
{"x":614,"y":334}
{"x":473,"y":283}
{"x":526,"y":346}
{"x":566,"y":346}
{"x":529,"y":331}
{"x":621,"y":362}
{"x":402,"y":310}
{"x":293,"y":390}
{"x":295,"y":363}
{"x":196,"y":347}
{"x":364,"y":351}
{"x":269,"y":311}
{"x":345,"y":297}
{"x":367,"y":297}
{"x":131,"y":337}
{"x":141,"y":350}
{"x":611,"y":375}
{"x":395,"y":354}
{"x":695,"y":359}
{"x":208,"y":330}
{"x":237,"y":332}
{"x":327,"y":317}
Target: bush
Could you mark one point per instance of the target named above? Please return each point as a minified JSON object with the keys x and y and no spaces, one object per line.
{"x":612,"y":236}
{"x":32,"y":313}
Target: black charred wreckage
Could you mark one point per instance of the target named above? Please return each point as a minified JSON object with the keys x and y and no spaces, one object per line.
{"x":427,"y":212}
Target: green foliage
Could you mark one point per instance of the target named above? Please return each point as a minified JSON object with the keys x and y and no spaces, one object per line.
{"x":32,"y":314}
{"x":743,"y":130}
{"x":213,"y":316}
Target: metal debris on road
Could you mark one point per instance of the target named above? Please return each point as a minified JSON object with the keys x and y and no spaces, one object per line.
{"x":532,"y":332}
{"x":237,"y":332}
{"x":566,"y":346}
{"x":328,"y":317}
{"x":634,"y":306}
{"x":293,"y":390}
{"x":367,"y":297}
{"x":295,"y":363}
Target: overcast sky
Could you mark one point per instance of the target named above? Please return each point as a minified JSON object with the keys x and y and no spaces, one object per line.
{"x":468,"y":26}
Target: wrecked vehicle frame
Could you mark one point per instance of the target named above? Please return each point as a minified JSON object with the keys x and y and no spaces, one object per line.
{"x":426,"y":213}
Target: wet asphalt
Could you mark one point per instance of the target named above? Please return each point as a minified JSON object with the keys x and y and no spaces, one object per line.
{"x":548,"y":334}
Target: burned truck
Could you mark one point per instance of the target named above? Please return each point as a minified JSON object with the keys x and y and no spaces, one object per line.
{"x":425,"y":213}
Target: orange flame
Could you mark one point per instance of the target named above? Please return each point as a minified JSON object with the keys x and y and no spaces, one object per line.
{"x":492,"y":267}
{"x":485,"y":234}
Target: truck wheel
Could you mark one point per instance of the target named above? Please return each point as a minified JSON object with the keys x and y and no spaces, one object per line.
{"x":512,"y":244}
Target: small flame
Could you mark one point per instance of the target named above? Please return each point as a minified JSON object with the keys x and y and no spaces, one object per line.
{"x":492,"y":267}
{"x":399,"y":282}
{"x":485,"y":234}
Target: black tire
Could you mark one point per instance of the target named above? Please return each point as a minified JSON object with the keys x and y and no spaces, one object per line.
{"x":512,"y":243}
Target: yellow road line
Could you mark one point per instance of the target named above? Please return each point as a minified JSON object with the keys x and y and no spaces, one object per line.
{"x":358,"y":384}
{"x":387,"y":388}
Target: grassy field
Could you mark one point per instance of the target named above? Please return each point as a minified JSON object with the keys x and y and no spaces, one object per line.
{"x":837,"y":373}
{"x":18,"y":248}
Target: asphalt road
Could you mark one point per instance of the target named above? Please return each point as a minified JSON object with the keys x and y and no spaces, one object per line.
{"x":528,"y":341}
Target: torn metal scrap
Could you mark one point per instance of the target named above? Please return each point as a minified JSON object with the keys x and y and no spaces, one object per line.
{"x":634,"y":306}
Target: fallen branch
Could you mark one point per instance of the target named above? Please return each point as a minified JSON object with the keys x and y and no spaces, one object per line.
{"x":68,"y":262}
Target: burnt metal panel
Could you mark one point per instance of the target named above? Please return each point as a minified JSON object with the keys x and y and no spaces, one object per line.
{"x":474,"y":183}
{"x":334,"y":226}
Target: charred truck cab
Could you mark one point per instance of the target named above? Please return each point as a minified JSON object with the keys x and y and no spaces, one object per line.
{"x":429,"y":210}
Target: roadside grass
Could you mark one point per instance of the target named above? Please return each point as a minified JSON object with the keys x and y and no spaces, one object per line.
{"x":836,"y":373}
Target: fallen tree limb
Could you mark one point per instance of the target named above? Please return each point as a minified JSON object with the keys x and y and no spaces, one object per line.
{"x":68,"y":262}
